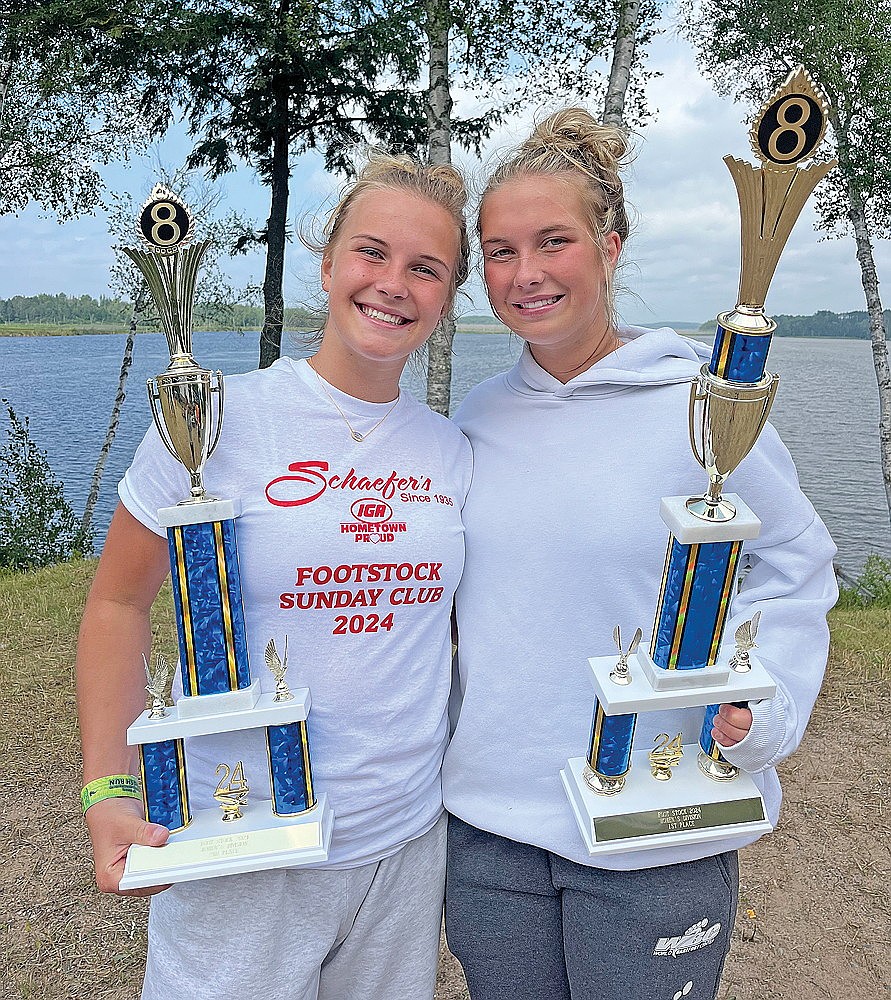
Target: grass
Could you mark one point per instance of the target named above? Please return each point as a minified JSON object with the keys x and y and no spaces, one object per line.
{"x":61,"y":938}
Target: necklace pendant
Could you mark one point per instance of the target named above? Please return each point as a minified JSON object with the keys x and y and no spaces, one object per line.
{"x":357,"y":436}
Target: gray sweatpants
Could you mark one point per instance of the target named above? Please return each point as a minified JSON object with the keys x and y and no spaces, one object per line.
{"x":367,"y":933}
{"x":527,"y":923}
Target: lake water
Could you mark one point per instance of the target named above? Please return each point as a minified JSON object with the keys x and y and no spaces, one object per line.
{"x":826,"y":411}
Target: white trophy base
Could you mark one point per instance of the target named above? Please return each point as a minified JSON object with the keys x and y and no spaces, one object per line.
{"x":198,"y":512}
{"x":204,"y":705}
{"x":219,"y":716}
{"x":689,"y":529}
{"x":209,"y":848}
{"x":652,"y":689}
{"x":693,"y":808}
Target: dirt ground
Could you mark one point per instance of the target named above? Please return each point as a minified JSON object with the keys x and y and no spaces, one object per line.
{"x":814,"y":915}
{"x":813,"y":921}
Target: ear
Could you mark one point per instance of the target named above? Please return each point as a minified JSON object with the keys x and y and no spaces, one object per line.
{"x":326,"y":273}
{"x":612,"y":245}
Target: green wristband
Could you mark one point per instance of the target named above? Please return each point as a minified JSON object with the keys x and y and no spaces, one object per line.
{"x":114,"y":786}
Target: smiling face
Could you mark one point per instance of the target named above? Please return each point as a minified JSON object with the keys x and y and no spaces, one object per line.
{"x":389,"y":275}
{"x":545,"y":273}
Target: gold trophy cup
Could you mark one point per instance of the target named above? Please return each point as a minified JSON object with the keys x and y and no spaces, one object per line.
{"x":725,"y":422}
{"x":182,"y":397}
{"x":189,"y":425}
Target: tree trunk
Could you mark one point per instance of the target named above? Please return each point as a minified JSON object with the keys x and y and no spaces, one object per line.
{"x":85,"y":533}
{"x":6,"y":63}
{"x":623,"y":60}
{"x":276,"y":227}
{"x":439,"y":151}
{"x":870,"y":280}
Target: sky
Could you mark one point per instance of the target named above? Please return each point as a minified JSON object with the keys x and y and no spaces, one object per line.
{"x":681,"y":263}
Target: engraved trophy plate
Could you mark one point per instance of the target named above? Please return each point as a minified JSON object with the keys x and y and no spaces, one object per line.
{"x":628,"y":799}
{"x":258,"y":841}
{"x":650,"y":813}
{"x":263,"y":820}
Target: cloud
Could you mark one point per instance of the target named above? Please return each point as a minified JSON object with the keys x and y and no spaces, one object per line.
{"x":682,"y":262}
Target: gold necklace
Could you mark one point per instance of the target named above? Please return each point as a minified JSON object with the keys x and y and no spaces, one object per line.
{"x":354,"y":434}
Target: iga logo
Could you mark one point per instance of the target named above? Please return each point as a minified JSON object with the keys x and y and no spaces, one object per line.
{"x":374,"y":521}
{"x":371,"y":511}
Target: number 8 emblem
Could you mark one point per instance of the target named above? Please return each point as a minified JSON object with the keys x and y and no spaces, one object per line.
{"x":165,"y":221}
{"x":164,"y":224}
{"x":789,"y":130}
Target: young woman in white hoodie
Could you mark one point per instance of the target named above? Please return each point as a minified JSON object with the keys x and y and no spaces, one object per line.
{"x":573,"y":448}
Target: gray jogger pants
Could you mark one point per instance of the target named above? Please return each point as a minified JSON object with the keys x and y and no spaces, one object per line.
{"x":529,"y":925}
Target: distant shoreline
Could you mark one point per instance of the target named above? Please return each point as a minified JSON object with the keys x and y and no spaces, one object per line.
{"x":70,"y":330}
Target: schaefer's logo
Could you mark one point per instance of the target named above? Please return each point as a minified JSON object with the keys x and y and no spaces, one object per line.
{"x":309,"y":480}
{"x":374,"y":521}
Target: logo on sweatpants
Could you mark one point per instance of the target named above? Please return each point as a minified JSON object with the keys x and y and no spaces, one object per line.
{"x":698,"y":936}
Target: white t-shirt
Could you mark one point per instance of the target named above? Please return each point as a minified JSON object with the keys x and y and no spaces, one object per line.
{"x":353,"y":550}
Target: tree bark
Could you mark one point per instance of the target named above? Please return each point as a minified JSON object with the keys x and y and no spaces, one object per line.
{"x":277,"y":224}
{"x":623,"y":60}
{"x":276,"y":232}
{"x":439,"y":151}
{"x":5,"y":74}
{"x":870,"y":280}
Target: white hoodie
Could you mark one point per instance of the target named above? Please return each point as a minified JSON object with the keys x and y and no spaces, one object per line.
{"x":564,"y":542}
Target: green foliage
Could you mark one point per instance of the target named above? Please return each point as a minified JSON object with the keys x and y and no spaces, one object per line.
{"x":59,"y":118}
{"x":747,"y":46}
{"x":872,"y":588}
{"x":824,"y":323}
{"x":61,"y":308}
{"x":37,"y":525}
{"x":84,"y":310}
{"x":247,"y":73}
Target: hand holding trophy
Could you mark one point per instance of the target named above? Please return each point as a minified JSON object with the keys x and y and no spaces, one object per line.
{"x":729,"y":404}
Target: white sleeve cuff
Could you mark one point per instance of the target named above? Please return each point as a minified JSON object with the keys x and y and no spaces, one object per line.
{"x":760,"y":748}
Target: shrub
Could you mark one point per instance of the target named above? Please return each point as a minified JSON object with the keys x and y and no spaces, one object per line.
{"x":37,"y":525}
{"x":872,"y":588}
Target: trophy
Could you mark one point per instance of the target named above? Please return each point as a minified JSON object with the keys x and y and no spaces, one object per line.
{"x":285,"y":823}
{"x":702,"y":796}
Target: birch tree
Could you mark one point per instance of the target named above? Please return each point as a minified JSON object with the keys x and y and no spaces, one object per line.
{"x":6,"y":63}
{"x":624,"y":48}
{"x":749,"y":46}
{"x":439,"y":151}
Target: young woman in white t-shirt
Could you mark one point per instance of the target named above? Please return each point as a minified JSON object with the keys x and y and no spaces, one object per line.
{"x":310,"y":448}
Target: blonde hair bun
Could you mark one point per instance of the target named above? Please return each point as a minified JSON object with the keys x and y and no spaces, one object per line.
{"x":582,"y":140}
